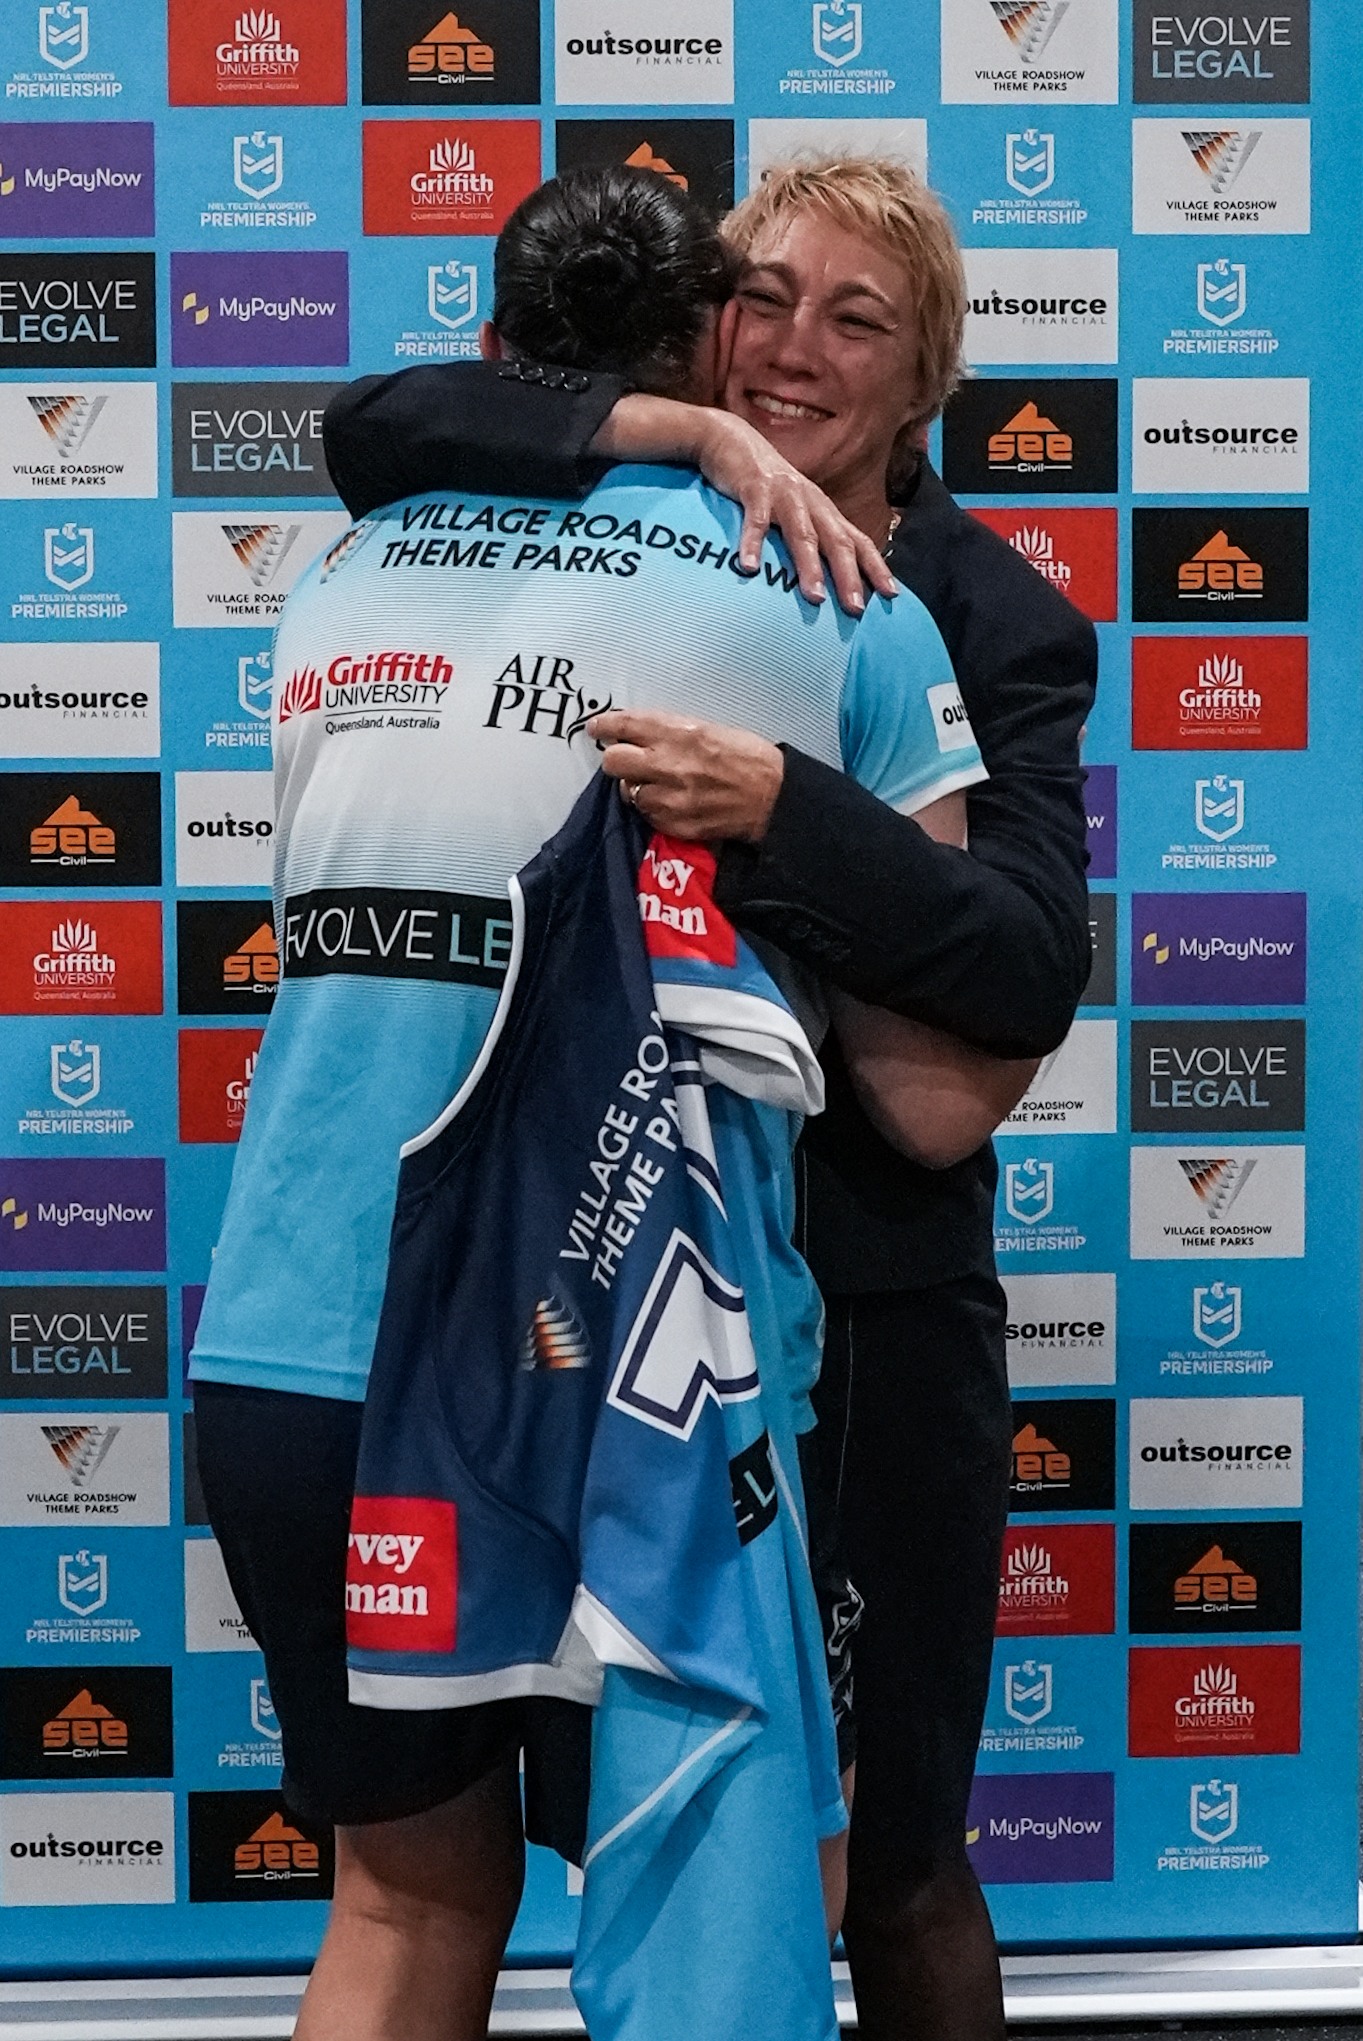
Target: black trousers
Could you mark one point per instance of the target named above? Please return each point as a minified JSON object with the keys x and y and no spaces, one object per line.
{"x":911,"y":1461}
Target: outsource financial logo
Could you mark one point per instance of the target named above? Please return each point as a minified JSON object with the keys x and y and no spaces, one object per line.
{"x":644,"y":52}
{"x":1042,"y":305}
{"x":87,"y":1849}
{"x":1220,"y":436}
{"x":1216,"y":1452}
{"x":80,"y":700}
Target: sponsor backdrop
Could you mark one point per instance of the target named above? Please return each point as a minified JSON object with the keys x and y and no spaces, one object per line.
{"x":210,"y":214}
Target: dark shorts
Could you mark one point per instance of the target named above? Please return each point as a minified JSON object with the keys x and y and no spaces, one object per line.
{"x":278,"y":1476}
{"x":907,"y":1480}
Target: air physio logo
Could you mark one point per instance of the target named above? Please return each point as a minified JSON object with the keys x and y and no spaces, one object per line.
{"x":1237,"y":179}
{"x":223,"y":54}
{"x":1203,"y":693}
{"x":443,"y":177}
{"x":623,"y":53}
{"x":401,"y":1574}
{"x":1011,"y":50}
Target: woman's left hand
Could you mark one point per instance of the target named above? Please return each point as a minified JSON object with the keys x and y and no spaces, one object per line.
{"x":701,"y":781}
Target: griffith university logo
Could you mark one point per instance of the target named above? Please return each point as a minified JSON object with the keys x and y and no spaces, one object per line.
{"x":451,"y":178}
{"x":1217,"y":1180}
{"x":449,"y":54}
{"x":358,"y":684}
{"x":1030,"y":1584}
{"x":67,"y":419}
{"x":1221,"y":153}
{"x":258,"y":51}
{"x":74,"y":962}
{"x":1037,"y":547}
{"x":1215,"y":1700}
{"x":1029,"y":24}
{"x":63,"y":35}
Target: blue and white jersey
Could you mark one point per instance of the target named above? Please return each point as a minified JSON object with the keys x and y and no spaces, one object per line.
{"x":433,"y":674}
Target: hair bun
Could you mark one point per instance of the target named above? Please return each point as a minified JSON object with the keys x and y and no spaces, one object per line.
{"x":601,"y":262}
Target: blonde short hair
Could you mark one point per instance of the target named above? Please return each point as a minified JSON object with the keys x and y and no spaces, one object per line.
{"x":884,"y":201}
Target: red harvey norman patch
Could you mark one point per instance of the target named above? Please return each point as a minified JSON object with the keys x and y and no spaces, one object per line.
{"x":447,"y":177}
{"x":402,"y":1574}
{"x":1056,"y":1580}
{"x":677,"y":906}
{"x":1075,"y":550}
{"x":71,"y":956}
{"x":1234,"y":1700}
{"x":1246,"y":694}
{"x":287,"y":53}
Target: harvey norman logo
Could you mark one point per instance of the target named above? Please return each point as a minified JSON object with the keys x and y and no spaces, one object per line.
{"x":1041,"y":305}
{"x":1232,"y":436}
{"x":1250,"y":178}
{"x":401,"y":1574}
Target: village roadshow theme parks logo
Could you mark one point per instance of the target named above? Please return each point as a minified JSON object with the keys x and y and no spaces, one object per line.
{"x":997,"y":51}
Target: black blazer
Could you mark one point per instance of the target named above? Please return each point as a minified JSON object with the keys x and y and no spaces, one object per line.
{"x":991,"y":945}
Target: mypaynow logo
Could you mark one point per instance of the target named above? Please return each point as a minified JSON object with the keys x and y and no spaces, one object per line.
{"x":1218,"y":949}
{"x":1041,"y":1828}
{"x":82,"y":1215}
{"x":260,"y":310}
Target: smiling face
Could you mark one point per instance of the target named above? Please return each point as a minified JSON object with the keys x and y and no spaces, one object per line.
{"x":824,"y":355}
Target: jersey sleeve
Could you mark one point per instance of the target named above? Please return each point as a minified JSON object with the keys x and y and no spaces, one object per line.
{"x":904,"y":727}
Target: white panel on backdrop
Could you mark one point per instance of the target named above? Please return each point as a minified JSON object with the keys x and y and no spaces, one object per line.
{"x":78,"y":700}
{"x":213,"y":1622}
{"x":1020,"y":50}
{"x":1062,"y":1330}
{"x":85,"y":1467}
{"x":644,"y":53}
{"x":1220,"y":435}
{"x":77,"y":439}
{"x":1216,"y":1452}
{"x":224,"y":828}
{"x":1200,"y":1200}
{"x":233,"y":568}
{"x":777,"y":141}
{"x":1075,"y":1090}
{"x":1041,"y":305}
{"x":87,"y":1849}
{"x":1237,"y":176}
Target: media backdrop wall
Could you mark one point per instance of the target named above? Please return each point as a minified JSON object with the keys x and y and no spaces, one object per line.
{"x":208,"y":220}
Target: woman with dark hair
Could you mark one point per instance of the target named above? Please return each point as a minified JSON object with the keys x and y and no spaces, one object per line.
{"x":843,"y":344}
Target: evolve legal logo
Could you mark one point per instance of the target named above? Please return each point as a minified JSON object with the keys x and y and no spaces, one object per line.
{"x":1214,"y":1577}
{"x":1218,"y":1076}
{"x":1034,"y":1828}
{"x":83,"y":1342}
{"x":402,"y":1574}
{"x":1101,"y":989}
{"x":1221,"y":297}
{"x":75,"y":180}
{"x":1025,"y":1221}
{"x":87,"y":1467}
{"x":224,"y":826}
{"x":249,"y":439}
{"x":425,"y":53}
{"x":1230,"y":565}
{"x":68,"y":565}
{"x":258,"y":178}
{"x":1011,"y":50}
{"x":82,"y":1582}
{"x":227,"y":957}
{"x":1246,"y":1699}
{"x":77,"y":1105}
{"x":86,"y":954}
{"x":1216,"y":1452}
{"x":87,"y":1849}
{"x":1029,"y":170}
{"x":845,"y":38}
{"x":1075,"y":550}
{"x":695,"y":155}
{"x":1246,"y":694}
{"x":1100,"y":815}
{"x":213,"y":1622}
{"x":1056,"y":1580}
{"x":245,"y":1846}
{"x":1064,"y":1455}
{"x":1006,"y":435}
{"x":1185,"y":52}
{"x":1251,"y":177}
{"x":1212,"y":1842}
{"x":1040,"y":304}
{"x":216,"y":1068}
{"x":71,"y":309}
{"x":256,"y":1744}
{"x":1212,"y":436}
{"x":1075,"y":1088}
{"x":395,"y":932}
{"x":1021,"y":1717}
{"x":1218,"y":1200}
{"x":105,"y":1722}
{"x":63,"y":42}
{"x":234,"y":572}
{"x":1061,"y":1330}
{"x":80,"y":700}
{"x":1218,"y":949}
{"x":77,"y":439}
{"x":643,"y":52}
{"x":81,"y":829}
{"x":56,"y":1214}
{"x":289,"y":54}
{"x":778,"y":141}
{"x":447,"y":177}
{"x":259,"y":310}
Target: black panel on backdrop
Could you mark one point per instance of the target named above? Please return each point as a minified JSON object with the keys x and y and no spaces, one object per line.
{"x":81,"y":829}
{"x":82,"y":1341}
{"x":1218,"y":1076}
{"x":1214,"y":567}
{"x":1101,"y":989}
{"x":226,"y":957}
{"x":698,"y":155}
{"x":249,"y":439}
{"x":1199,"y":1577}
{"x":1015,"y":434}
{"x":423,"y":53}
{"x":1064,"y":1454}
{"x":95,"y":1723}
{"x":253,"y":1846}
{"x":71,"y":310}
